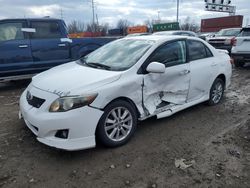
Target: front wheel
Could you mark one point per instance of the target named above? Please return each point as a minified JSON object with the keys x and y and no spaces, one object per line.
{"x":117,"y":124}
{"x":216,"y":92}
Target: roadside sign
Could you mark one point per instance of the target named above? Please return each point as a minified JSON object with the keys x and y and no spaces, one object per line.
{"x":166,"y":26}
{"x":137,"y":29}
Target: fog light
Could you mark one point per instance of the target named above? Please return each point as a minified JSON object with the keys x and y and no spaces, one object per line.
{"x":62,"y":133}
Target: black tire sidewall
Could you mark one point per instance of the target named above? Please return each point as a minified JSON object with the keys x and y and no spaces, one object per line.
{"x":210,"y":101}
{"x":100,"y":131}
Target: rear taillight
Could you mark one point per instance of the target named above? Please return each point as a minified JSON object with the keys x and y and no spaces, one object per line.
{"x":231,"y":61}
{"x":233,"y":41}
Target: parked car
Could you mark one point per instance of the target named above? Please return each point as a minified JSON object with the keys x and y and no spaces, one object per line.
{"x":206,"y":36}
{"x":30,"y":46}
{"x":138,"y":34}
{"x":224,"y":39}
{"x":104,"y":94}
{"x":178,"y":32}
{"x":241,"y":47}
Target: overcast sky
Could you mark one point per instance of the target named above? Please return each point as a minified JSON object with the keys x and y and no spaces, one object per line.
{"x":109,"y":11}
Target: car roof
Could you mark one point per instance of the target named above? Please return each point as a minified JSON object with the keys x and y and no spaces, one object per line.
{"x":175,"y":31}
{"x":31,"y":19}
{"x":160,"y":38}
{"x":246,"y":27}
{"x":235,"y":28}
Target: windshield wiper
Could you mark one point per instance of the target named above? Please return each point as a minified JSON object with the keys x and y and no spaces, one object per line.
{"x":98,"y":65}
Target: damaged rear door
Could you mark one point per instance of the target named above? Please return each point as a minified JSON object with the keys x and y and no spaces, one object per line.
{"x":161,"y":91}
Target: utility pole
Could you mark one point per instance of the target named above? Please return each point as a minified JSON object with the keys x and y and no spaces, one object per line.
{"x":93,"y":11}
{"x":159,"y":19}
{"x":177,"y":16}
{"x":61,"y":13}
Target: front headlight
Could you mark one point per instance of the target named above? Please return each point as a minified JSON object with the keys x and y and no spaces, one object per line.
{"x":64,"y":104}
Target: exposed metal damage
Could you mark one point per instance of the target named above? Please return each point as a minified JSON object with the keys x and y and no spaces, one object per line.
{"x":164,"y":94}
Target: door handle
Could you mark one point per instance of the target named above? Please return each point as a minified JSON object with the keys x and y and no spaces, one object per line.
{"x":61,"y":45}
{"x":184,"y":72}
{"x":23,"y":46}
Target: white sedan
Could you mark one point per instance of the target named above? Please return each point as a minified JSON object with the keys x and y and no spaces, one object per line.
{"x":103,"y":95}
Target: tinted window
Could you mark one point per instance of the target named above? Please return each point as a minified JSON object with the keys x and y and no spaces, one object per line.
{"x":228,"y":32}
{"x":45,"y":30}
{"x":245,"y":33}
{"x":11,"y":31}
{"x":170,"y":54}
{"x":197,"y":50}
{"x":209,"y":53}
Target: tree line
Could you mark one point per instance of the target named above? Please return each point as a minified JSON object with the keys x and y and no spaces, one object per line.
{"x":122,"y":24}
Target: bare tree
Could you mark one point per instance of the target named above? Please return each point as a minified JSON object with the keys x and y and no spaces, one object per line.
{"x":189,"y":25}
{"x":123,"y":24}
{"x":104,"y":28}
{"x":149,"y":24}
{"x":92,"y":27}
{"x":76,"y":26}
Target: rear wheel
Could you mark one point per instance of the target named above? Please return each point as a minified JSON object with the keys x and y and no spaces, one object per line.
{"x":117,"y":125}
{"x":216,"y":92}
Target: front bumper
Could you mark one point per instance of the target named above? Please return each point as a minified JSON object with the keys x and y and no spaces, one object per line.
{"x":81,"y":123}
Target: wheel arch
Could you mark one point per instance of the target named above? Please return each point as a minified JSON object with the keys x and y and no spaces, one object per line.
{"x":130,"y":101}
{"x":122,"y":98}
{"x":223,"y":78}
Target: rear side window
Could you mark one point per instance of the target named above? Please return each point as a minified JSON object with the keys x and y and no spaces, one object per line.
{"x":173,"y":53}
{"x":45,"y":30}
{"x":11,"y":31}
{"x":245,"y":33}
{"x":197,"y":50}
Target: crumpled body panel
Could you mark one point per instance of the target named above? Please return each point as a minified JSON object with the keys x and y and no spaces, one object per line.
{"x":171,"y":87}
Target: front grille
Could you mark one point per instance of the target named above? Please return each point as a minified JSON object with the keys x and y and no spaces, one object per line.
{"x":34,"y":101}
{"x":217,"y":45}
{"x":216,"y":40}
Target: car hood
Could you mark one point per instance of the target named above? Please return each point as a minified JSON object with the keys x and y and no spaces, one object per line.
{"x":73,"y":78}
{"x":221,"y":38}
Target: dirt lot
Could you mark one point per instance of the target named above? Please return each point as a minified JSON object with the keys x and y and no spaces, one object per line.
{"x":214,"y":140}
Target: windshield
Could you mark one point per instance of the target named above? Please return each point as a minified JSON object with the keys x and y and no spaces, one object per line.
{"x":228,"y":32}
{"x":118,"y":55}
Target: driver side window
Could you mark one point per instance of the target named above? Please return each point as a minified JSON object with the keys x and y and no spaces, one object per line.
{"x":170,"y":54}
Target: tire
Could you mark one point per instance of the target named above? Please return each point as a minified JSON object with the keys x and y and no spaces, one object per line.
{"x":216,"y":92}
{"x":117,"y":124}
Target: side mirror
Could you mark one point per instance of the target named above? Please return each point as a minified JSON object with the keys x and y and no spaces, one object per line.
{"x":156,"y":67}
{"x":28,"y":30}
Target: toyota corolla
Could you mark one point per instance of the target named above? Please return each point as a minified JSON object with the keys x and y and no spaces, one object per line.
{"x":103,"y":95}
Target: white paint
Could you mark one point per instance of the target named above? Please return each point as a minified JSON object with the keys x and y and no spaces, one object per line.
{"x":156,"y":67}
{"x":66,"y":40}
{"x":179,"y":87}
{"x":28,"y":30}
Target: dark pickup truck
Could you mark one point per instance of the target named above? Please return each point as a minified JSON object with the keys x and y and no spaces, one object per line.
{"x":30,"y":46}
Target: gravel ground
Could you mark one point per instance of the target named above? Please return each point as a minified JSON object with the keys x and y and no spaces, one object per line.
{"x":213,"y":142}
